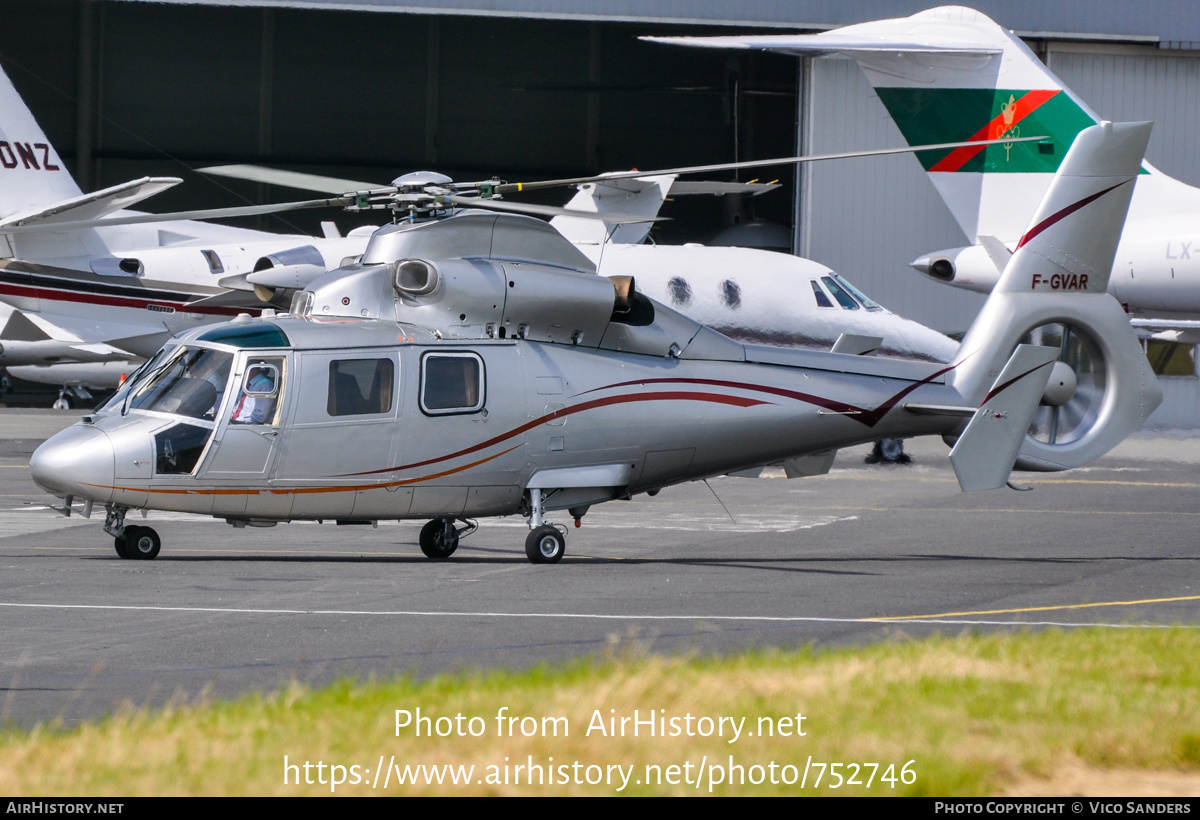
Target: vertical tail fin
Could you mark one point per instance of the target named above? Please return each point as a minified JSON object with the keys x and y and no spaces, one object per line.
{"x":31,"y":172}
{"x":952,"y":74}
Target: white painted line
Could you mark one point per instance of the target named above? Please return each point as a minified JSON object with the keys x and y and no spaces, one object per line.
{"x":584,"y":616}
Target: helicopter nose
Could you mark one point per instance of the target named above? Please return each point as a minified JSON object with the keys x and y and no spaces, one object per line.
{"x":78,"y":461}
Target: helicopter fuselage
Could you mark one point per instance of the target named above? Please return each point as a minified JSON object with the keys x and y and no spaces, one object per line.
{"x":399,"y":424}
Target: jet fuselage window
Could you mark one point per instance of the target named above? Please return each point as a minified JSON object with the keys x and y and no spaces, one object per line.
{"x":214,"y":261}
{"x":451,"y":383}
{"x":360,"y":387}
{"x":822,"y":299}
{"x":843,"y":297}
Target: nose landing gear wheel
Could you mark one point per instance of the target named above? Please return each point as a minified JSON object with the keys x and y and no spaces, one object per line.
{"x":119,"y":543}
{"x":439,"y":538}
{"x":141,"y":543}
{"x":545,"y":545}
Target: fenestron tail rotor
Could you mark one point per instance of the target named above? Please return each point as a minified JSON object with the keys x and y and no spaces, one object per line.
{"x":1076,"y":391}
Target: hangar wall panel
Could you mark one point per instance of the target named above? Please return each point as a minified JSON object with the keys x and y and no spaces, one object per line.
{"x":868,"y":218}
{"x":1151,"y":86}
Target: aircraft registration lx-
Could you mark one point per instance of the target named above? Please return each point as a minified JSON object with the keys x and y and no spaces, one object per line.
{"x":476,"y":366}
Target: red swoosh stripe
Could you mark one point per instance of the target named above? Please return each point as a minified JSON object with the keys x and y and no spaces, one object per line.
{"x":860,"y":414}
{"x":1030,"y":101}
{"x":1065,"y":212}
{"x":713,"y":398}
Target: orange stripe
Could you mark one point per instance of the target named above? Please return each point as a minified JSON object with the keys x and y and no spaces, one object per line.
{"x":994,"y":130}
{"x":299,"y":490}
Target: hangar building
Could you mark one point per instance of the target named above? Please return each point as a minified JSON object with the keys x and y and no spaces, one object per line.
{"x":534,"y":89}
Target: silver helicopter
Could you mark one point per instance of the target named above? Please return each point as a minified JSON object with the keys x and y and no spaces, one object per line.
{"x":475,"y":366}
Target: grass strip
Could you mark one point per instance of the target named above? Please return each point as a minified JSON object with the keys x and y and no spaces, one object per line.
{"x":976,"y":715}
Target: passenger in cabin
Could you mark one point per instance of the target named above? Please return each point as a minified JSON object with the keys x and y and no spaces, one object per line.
{"x":256,"y":404}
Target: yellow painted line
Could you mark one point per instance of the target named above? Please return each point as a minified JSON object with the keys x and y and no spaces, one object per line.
{"x":1034,"y":609}
{"x":1019,"y":479}
{"x":999,"y":510}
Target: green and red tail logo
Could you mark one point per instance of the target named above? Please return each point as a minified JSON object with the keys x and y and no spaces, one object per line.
{"x":931,"y":115}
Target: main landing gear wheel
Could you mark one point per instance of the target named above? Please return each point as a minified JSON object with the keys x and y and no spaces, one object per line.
{"x":141,"y":543}
{"x":119,"y":543}
{"x":545,"y":545}
{"x":439,"y":538}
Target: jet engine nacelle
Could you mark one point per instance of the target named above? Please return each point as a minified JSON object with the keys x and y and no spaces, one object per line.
{"x":970,"y":268}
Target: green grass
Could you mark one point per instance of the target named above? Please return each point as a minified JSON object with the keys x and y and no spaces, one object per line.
{"x":977,"y":715}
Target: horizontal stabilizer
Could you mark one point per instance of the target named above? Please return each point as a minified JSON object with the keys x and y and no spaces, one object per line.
{"x":985,"y":453}
{"x":839,"y":42}
{"x":94,"y":205}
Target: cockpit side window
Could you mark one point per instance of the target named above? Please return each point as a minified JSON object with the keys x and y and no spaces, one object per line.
{"x":451,"y":383}
{"x":191,"y":384}
{"x":843,"y":297}
{"x":867,"y":302}
{"x":360,"y":387}
{"x":822,"y":299}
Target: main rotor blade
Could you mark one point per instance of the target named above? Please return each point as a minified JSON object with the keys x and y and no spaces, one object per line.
{"x":212,"y":213}
{"x":514,"y":187}
{"x":548,"y":210}
{"x":290,"y":179}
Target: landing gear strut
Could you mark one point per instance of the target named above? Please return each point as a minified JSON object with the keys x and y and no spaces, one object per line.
{"x":68,"y":395}
{"x":439,"y":538}
{"x":546,"y":543}
{"x":133,"y":543}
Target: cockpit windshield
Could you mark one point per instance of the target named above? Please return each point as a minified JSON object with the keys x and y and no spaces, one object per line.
{"x":190,"y":383}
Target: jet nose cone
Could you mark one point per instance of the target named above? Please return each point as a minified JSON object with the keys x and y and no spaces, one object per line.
{"x":78,"y":461}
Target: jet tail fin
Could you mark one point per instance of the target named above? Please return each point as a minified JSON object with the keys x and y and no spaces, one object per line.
{"x":32,"y":171}
{"x":985,"y":453}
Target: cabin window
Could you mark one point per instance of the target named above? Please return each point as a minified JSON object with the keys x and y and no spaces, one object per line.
{"x":731,"y":294}
{"x":214,"y":261}
{"x":822,"y":299}
{"x":360,"y":387}
{"x":841,"y":294}
{"x":680,"y":290}
{"x":451,"y":383}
